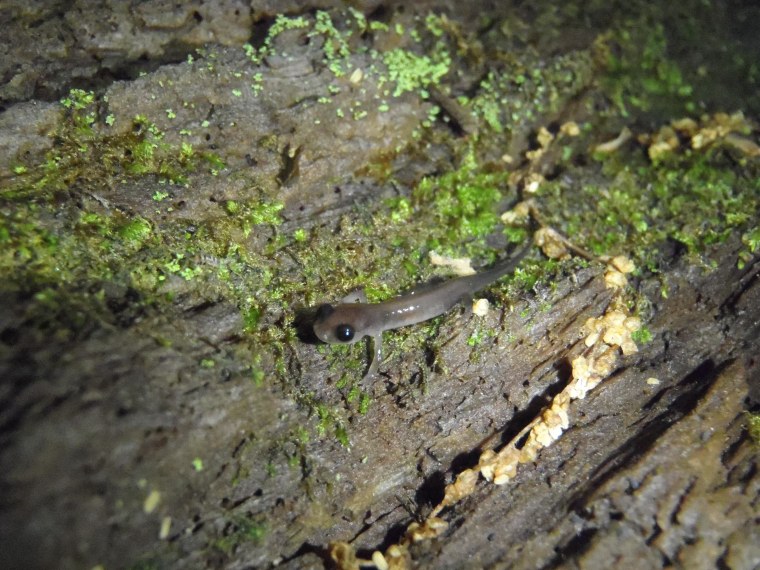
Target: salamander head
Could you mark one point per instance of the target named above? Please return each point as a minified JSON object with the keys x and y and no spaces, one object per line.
{"x":342,"y":324}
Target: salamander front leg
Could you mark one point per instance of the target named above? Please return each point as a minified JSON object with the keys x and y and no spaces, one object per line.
{"x":376,"y":349}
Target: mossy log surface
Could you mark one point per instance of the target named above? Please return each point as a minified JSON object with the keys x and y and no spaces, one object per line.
{"x":174,"y":203}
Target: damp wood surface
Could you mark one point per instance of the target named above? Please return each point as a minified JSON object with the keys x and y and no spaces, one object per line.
{"x":174,"y":203}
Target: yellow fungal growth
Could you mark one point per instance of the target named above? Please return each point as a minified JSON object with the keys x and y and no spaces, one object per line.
{"x":662,"y":143}
{"x":519,"y":212}
{"x":151,"y":501}
{"x":617,"y":268}
{"x":397,"y":557}
{"x":610,"y":146}
{"x":499,"y":468}
{"x":607,"y":336}
{"x":544,"y":137}
{"x":344,"y":556}
{"x":719,"y":126}
{"x":551,"y":243}
{"x":433,"y":527}
{"x":532,"y":182}
{"x":753,"y":427}
{"x":622,"y":264}
{"x":480,"y":307}
{"x":614,"y":329}
{"x":709,"y":130}
{"x":460,"y":265}
{"x":357,"y":76}
{"x":166,"y":526}
{"x":379,"y":560}
{"x":743,"y":145}
{"x":570,"y":129}
{"x":615,"y":280}
{"x":463,"y":486}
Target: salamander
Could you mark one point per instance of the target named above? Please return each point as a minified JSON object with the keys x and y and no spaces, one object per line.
{"x":349,"y":322}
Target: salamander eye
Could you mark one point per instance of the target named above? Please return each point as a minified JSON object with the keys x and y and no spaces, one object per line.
{"x":344,"y":333}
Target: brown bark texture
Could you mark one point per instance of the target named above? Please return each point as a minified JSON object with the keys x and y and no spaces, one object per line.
{"x":169,"y":425}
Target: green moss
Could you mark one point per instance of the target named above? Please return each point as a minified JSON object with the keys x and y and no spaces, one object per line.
{"x":80,"y":105}
{"x":149,"y":563}
{"x":751,"y":239}
{"x":136,"y":232}
{"x":59,"y":253}
{"x":302,"y":435}
{"x":642,"y":336}
{"x":300,"y":235}
{"x":463,"y":202}
{"x":514,"y":99}
{"x":477,"y":337}
{"x":86,"y":152}
{"x":753,"y":427}
{"x":383,"y":249}
{"x":78,"y":99}
{"x":411,"y":72}
{"x":257,"y":374}
{"x":240,"y":530}
{"x":364,"y":403}
{"x":697,"y":199}
{"x":638,"y":73}
{"x":341,"y":434}
{"x":335,"y":45}
{"x":265,"y":213}
{"x":353,"y":394}
{"x":251,"y":318}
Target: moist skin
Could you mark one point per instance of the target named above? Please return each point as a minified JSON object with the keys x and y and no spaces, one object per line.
{"x":348,"y":323}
